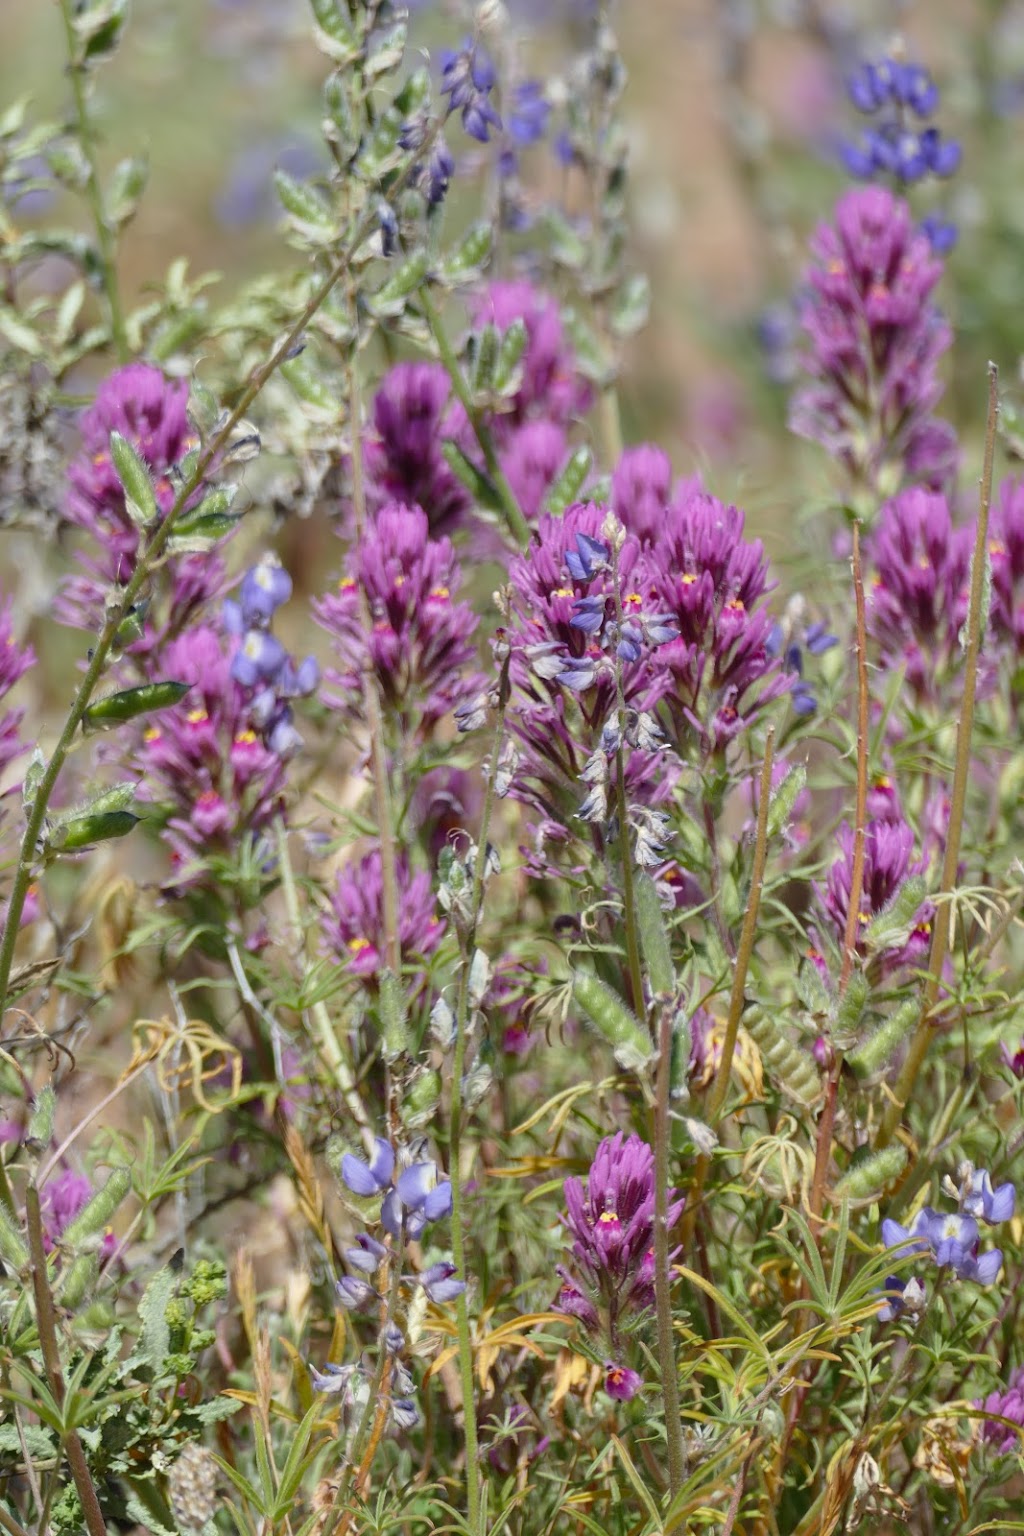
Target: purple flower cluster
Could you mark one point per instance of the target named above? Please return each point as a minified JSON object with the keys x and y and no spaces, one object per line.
{"x":413,"y":415}
{"x":953,"y":1239}
{"x":467,"y":78}
{"x":354,"y":927}
{"x":420,"y":647}
{"x":551,"y":388}
{"x":1006,"y":557}
{"x":208,"y":760}
{"x":888,"y":863}
{"x":874,"y":342}
{"x":15,"y":661}
{"x":261,"y":665}
{"x":610,"y":1273}
{"x":148,"y":410}
{"x":1008,"y":1404}
{"x":917,"y":589}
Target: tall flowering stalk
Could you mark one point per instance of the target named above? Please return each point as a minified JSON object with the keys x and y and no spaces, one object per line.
{"x":874,"y":340}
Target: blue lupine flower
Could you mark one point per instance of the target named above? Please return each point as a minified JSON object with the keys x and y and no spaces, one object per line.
{"x":467,"y":79}
{"x":367,"y":1255}
{"x":528,"y":119}
{"x":588,"y":613}
{"x":259,"y":659}
{"x":353,"y":1292}
{"x":369,"y":1178}
{"x":440,"y":1283}
{"x":588,"y":558}
{"x":438,"y":172}
{"x":902,"y":1298}
{"x":941,"y":233}
{"x":416,"y":1199}
{"x":982,"y":1201}
{"x":264,"y":588}
{"x":953,"y":1240}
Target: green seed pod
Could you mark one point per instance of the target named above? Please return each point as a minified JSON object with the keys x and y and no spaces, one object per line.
{"x":139,"y":496}
{"x":893,"y":926}
{"x":83,"y":831}
{"x":788,"y":1066}
{"x":79,"y":1280}
{"x":394,"y":1017}
{"x":40,"y":1127}
{"x":96,"y":1214}
{"x":420,"y":1100}
{"x":850,"y":1010}
{"x":129,"y":703}
{"x":780,"y":806}
{"x":870,"y":1175}
{"x":629,"y":1040}
{"x":654,"y":939}
{"x":872,"y":1054}
{"x":568,"y":484}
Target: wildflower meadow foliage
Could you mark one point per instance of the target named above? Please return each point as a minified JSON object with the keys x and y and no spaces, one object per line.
{"x":510,"y":990}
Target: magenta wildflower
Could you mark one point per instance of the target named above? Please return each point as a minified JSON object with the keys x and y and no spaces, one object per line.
{"x":148,"y":410}
{"x":875,"y":339}
{"x":421,"y":643}
{"x":1008,"y":1404}
{"x":1006,"y":557}
{"x":712,"y":582}
{"x":642,"y":490}
{"x":917,"y":591}
{"x":206,"y":760}
{"x":611,"y":1223}
{"x":532,"y":459}
{"x":888,"y":863}
{"x":1013,"y":1057}
{"x":413,"y":414}
{"x":354,"y":926}
{"x":621,"y":1383}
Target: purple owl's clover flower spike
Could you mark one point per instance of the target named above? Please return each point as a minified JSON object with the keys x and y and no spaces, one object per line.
{"x":371,"y":1178}
{"x":1013,"y":1058}
{"x":874,"y":340}
{"x":1008,"y":1404}
{"x":888,"y":846}
{"x":15,"y":661}
{"x":354,"y":927}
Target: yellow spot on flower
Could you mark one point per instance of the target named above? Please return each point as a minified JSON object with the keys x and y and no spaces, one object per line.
{"x":608,"y":1219}
{"x":151,"y":734}
{"x":99,"y":458}
{"x":562,"y":592}
{"x":996,"y":547}
{"x":346,"y":584}
{"x":736,"y":605}
{"x":358,"y":945}
{"x":197,"y":716}
{"x":399,"y":581}
{"x":632,"y":600}
{"x":245,"y":738}
{"x":440,"y":592}
{"x":687,"y":580}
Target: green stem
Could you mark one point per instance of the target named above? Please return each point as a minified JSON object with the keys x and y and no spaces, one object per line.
{"x":921,"y":1038}
{"x":636,"y":980}
{"x":662,"y":1296}
{"x":93,"y":188}
{"x":468,"y":947}
{"x":50,"y":1350}
{"x":517,"y":524}
{"x":143,"y":570}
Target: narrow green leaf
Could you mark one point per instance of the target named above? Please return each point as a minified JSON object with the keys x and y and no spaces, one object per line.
{"x":96,"y":1213}
{"x":394,"y":1017}
{"x":40,"y":1126}
{"x":480,"y":486}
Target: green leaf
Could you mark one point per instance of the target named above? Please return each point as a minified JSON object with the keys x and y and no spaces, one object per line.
{"x":783,"y":798}
{"x":310,"y":389}
{"x":507,"y":371}
{"x":155,"y":1338}
{"x":389,"y":300}
{"x":13,"y":1249}
{"x":631,"y":306}
{"x":129,"y":703}
{"x":140,"y":498}
{"x":483,"y":359}
{"x":127,"y":185}
{"x":334,"y":34}
{"x":480,"y":486}
{"x":308,"y":208}
{"x":468,"y":258}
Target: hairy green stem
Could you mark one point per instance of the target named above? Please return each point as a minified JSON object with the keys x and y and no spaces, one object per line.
{"x":467,"y":945}
{"x":920,"y":1040}
{"x":143,"y":570}
{"x":50,"y":1349}
{"x":517,"y":524}
{"x":93,"y":188}
{"x":662,"y":1295}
